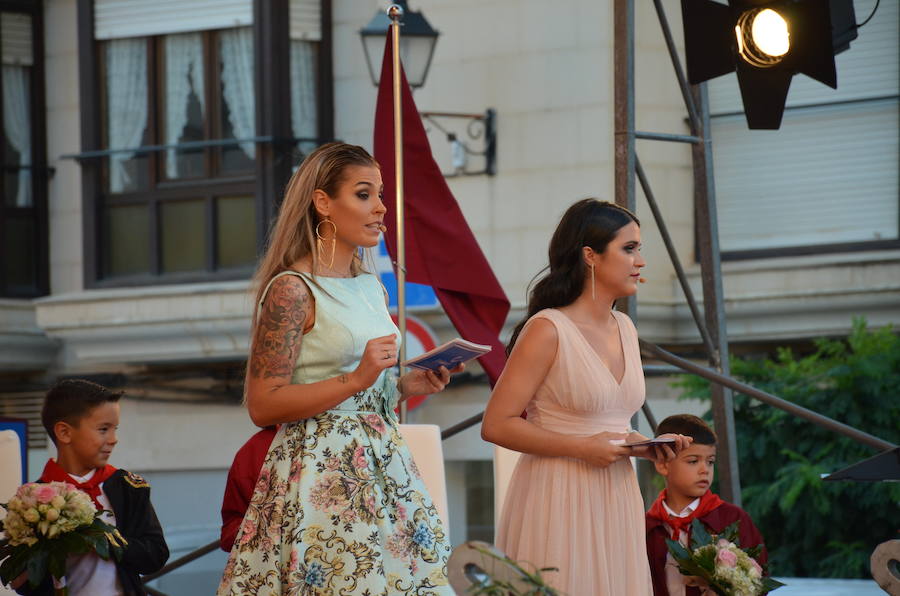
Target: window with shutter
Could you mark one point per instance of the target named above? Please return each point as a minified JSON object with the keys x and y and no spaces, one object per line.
{"x":177,"y":190}
{"x":23,"y":169}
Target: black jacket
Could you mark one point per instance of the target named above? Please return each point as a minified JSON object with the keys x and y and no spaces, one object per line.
{"x":147,"y":552}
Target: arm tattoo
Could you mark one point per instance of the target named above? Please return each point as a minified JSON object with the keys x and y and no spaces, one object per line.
{"x":343,"y":379}
{"x":279,"y":329}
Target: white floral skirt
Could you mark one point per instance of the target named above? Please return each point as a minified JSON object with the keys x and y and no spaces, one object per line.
{"x":340,"y":508}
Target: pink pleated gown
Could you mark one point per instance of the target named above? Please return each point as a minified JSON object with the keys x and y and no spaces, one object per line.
{"x":563,"y":512}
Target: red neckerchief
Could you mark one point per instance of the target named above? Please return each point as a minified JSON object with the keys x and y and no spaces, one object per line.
{"x":53,"y":472}
{"x":708,"y":502}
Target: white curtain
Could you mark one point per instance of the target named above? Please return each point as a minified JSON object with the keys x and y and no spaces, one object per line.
{"x":184,"y":75}
{"x":238,"y":85}
{"x":17,"y":123}
{"x":126,"y":88}
{"x":304,"y":117}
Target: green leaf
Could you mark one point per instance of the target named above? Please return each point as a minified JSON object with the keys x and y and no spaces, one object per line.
{"x":101,"y":546}
{"x":699,"y":535}
{"x":56,"y":564}
{"x":754,"y":551}
{"x":14,"y":564}
{"x":679,"y":553}
{"x":91,"y":538}
{"x":732,"y":533}
{"x":706,"y":559}
{"x":769,"y":583}
{"x":75,"y":543}
{"x":37,"y":568}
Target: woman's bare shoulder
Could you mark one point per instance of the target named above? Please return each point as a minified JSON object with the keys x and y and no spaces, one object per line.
{"x":287,"y":286}
{"x":539,"y":334}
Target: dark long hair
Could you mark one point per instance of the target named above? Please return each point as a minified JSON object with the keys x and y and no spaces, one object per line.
{"x":589,"y":222}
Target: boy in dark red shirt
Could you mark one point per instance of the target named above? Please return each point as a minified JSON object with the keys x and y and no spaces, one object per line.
{"x":685,"y":498}
{"x":241,"y":481}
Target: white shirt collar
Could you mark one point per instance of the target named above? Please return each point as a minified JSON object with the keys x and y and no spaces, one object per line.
{"x":692,"y":506}
{"x":85,"y":478}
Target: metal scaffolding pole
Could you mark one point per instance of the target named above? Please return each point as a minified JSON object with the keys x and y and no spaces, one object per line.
{"x":623,"y":65}
{"x":707,"y":230}
{"x":714,"y":332}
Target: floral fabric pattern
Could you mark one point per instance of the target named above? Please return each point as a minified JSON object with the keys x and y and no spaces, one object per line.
{"x":340,"y":509}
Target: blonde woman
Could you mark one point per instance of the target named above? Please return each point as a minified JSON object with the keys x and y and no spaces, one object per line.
{"x":339,"y":507}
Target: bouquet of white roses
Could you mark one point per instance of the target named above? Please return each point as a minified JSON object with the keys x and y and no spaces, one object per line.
{"x":47,"y":522}
{"x":721,"y":563}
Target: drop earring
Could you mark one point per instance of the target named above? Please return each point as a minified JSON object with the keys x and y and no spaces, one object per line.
{"x":593,"y":287}
{"x":320,"y":241}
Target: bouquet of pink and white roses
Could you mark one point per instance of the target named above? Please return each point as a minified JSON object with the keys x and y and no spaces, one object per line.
{"x":720,"y":563}
{"x":47,"y":522}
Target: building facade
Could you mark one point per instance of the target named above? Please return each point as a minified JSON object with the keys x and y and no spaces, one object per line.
{"x":146,"y":146}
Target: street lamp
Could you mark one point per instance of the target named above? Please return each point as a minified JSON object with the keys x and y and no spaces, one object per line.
{"x":767,"y":42}
{"x":417,"y":41}
{"x":416,"y":44}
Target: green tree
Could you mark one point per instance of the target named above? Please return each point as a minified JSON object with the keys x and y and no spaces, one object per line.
{"x":811,"y":527}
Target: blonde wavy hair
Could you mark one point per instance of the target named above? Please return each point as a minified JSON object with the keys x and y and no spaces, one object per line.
{"x":293,"y":236}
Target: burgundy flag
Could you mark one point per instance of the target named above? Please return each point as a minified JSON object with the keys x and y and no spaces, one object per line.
{"x":441,"y":250}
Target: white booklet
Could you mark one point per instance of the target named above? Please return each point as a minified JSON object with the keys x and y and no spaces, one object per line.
{"x":449,"y":354}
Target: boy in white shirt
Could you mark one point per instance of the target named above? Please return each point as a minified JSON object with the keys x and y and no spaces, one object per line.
{"x":685,"y":498}
{"x":81,"y":419}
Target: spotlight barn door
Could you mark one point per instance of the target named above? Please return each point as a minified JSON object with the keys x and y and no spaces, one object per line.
{"x":707,"y":32}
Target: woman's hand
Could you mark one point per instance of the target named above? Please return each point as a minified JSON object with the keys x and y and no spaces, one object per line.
{"x":380,"y":353}
{"x":424,"y":382}
{"x":600,"y":451}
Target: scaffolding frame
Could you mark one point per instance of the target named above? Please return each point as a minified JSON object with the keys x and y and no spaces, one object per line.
{"x":711,"y":324}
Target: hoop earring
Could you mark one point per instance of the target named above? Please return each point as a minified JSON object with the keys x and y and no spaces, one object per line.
{"x":593,"y":287}
{"x":320,"y":241}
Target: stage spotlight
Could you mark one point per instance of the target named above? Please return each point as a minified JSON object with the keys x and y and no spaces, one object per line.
{"x":762,"y":37}
{"x":767,"y":43}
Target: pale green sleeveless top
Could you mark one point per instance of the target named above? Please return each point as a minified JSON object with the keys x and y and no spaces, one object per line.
{"x":349,"y":312}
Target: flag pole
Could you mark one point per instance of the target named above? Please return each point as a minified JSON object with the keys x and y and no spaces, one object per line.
{"x":395,"y":12}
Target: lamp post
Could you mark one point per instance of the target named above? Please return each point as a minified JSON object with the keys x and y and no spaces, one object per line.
{"x":416,"y":44}
{"x":415,"y":49}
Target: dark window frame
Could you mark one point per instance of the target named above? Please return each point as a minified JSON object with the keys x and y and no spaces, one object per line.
{"x":811,"y":249}
{"x":272,"y":168}
{"x":40,"y":172}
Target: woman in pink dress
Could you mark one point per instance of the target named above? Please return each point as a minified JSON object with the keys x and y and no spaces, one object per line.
{"x":573,"y":502}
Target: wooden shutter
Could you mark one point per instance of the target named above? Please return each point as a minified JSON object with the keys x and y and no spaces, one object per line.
{"x":306,"y":20}
{"x":15,"y":34}
{"x":139,"y":18}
